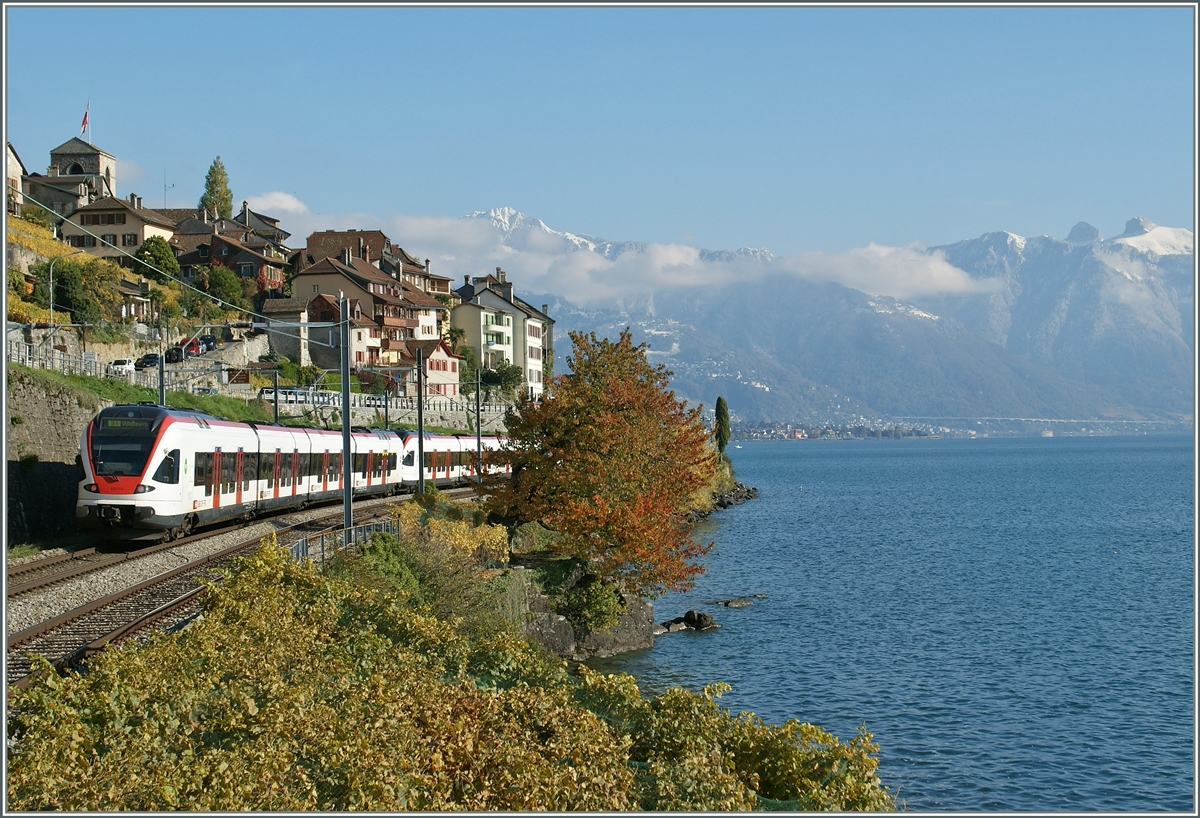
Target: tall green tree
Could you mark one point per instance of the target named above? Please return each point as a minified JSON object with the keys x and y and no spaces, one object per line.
{"x":217,"y":196}
{"x":611,"y":461}
{"x":722,"y":430}
{"x":223,"y":283}
{"x":156,"y":260}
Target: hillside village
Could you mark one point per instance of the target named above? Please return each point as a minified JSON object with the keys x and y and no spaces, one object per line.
{"x":261,"y":280}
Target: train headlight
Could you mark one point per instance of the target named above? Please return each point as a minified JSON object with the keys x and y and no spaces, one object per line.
{"x":92,"y":487}
{"x":143,"y":488}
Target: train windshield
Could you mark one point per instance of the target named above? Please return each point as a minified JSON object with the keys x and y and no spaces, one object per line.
{"x":122,"y":440}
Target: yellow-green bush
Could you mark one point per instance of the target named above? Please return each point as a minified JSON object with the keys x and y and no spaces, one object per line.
{"x":299,"y":691}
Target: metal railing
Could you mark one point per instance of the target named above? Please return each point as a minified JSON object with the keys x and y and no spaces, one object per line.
{"x":37,"y":356}
{"x":40,"y":356}
{"x":320,"y":547}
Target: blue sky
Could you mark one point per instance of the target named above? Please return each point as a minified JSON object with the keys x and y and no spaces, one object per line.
{"x":793,"y":129}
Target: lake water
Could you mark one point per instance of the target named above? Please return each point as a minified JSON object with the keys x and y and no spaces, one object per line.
{"x":1011,"y":618}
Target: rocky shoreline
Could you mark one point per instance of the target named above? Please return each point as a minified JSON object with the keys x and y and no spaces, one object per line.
{"x":636,"y":629}
{"x":737,"y":495}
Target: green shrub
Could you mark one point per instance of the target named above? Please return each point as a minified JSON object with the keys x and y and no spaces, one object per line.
{"x":590,"y":605}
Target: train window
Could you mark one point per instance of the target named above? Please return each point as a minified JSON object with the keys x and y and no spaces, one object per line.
{"x":285,"y":469}
{"x":249,"y":469}
{"x":228,"y":472}
{"x":203,"y":477}
{"x":392,"y":461}
{"x":377,"y":464}
{"x":428,"y":461}
{"x":168,"y":469}
{"x":305,"y":464}
{"x":409,"y":458}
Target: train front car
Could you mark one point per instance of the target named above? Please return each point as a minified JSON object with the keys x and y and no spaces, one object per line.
{"x":132,"y":464}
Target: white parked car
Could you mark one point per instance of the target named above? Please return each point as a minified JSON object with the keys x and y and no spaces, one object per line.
{"x":121,"y":366}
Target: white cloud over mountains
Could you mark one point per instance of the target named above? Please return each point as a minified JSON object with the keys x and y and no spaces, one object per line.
{"x":586,"y":271}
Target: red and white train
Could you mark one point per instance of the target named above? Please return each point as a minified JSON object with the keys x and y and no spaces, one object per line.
{"x":153,"y":471}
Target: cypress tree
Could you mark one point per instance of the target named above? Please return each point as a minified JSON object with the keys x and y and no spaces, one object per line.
{"x":722,"y":431}
{"x":217,"y":196}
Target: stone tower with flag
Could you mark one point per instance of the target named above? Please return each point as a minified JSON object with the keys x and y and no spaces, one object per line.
{"x":78,"y":158}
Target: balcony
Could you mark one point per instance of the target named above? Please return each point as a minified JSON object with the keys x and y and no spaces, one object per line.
{"x":396,"y":322}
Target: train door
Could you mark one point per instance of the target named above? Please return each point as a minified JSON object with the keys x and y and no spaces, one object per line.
{"x":275,"y":479}
{"x":370,"y":466}
{"x":325,"y":471}
{"x":295,"y":470}
{"x":216,"y":479}
{"x":237,"y":492}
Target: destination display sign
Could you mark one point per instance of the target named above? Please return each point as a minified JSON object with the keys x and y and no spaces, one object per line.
{"x":126,"y":424}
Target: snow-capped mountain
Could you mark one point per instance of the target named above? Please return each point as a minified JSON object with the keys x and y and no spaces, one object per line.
{"x":1143,"y":234}
{"x":519,"y":230}
{"x":1076,"y":328}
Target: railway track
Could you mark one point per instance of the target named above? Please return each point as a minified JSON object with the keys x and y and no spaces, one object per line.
{"x":39,"y":574}
{"x":158,"y":603}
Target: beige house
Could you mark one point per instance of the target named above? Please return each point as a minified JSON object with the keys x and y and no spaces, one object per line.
{"x":14,"y":173}
{"x":502,"y":326}
{"x":115,"y":228}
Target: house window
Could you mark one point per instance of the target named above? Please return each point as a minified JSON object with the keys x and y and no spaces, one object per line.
{"x":316,"y":288}
{"x":454,"y":366}
{"x":129,"y":240}
{"x":535,"y":332}
{"x":246,"y":270}
{"x":203,"y":251}
{"x":224,"y":249}
{"x":110,"y":239}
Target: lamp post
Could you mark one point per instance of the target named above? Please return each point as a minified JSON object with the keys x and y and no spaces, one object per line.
{"x":52,"y":262}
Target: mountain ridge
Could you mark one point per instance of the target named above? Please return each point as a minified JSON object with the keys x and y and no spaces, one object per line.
{"x":1082,"y":327}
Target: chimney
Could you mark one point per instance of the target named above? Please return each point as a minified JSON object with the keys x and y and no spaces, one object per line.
{"x":546,"y":309}
{"x":360,"y":247}
{"x":133,"y":199}
{"x":427,"y":265}
{"x":346,"y":256}
{"x":246,"y":212}
{"x":466,"y":280}
{"x":204,"y":215}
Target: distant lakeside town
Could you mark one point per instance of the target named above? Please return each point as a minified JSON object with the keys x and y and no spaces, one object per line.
{"x":992,"y":427}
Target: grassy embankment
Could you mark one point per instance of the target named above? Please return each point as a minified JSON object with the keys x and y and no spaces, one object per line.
{"x":229,"y":408}
{"x":398,"y":681}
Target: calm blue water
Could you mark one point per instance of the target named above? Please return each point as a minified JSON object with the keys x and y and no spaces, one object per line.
{"x":1013,"y":619}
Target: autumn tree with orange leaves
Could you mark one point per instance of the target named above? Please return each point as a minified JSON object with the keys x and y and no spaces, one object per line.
{"x":611,"y":461}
